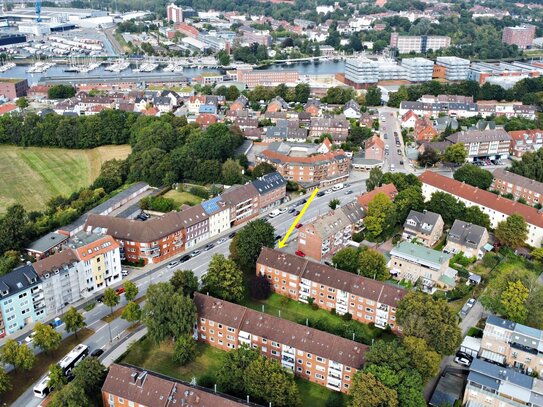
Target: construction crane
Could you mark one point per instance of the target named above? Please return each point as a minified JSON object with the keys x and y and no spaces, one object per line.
{"x":38,"y":11}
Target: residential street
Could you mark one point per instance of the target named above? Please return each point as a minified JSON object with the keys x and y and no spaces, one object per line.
{"x":159,"y":273}
{"x":389,"y":125}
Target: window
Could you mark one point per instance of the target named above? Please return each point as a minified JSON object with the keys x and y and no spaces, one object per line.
{"x":319,"y":359}
{"x":319,"y":376}
{"x":120,"y":400}
{"x":308,"y":372}
{"x":309,"y":355}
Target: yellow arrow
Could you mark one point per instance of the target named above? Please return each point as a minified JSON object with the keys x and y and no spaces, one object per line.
{"x":283,"y":242}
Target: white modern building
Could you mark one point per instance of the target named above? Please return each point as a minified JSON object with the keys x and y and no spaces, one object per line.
{"x":456,"y":69}
{"x":418,"y":69}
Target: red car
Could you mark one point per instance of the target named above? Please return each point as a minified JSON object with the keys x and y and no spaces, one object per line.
{"x":299,"y":253}
{"x":119,"y":290}
{"x":298,"y":226}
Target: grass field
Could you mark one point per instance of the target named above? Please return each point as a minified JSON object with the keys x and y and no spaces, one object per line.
{"x":159,"y":359}
{"x":33,"y":175}
{"x":182,"y":197}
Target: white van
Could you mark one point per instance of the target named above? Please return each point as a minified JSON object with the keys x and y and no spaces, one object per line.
{"x":337,"y":187}
{"x":274,"y":213}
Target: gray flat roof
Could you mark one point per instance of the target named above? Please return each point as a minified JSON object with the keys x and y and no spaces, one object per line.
{"x":47,"y":242}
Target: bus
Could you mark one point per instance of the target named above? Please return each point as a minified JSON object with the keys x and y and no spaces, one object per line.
{"x":67,"y":363}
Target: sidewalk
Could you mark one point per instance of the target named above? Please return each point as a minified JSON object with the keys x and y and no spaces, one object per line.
{"x":119,"y":348}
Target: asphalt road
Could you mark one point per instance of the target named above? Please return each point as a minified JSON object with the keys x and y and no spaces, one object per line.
{"x":390,"y":125}
{"x":198,"y":264}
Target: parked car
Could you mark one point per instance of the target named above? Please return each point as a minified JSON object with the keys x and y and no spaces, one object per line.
{"x":292,"y":210}
{"x":401,"y":162}
{"x":30,"y":338}
{"x":320,"y":193}
{"x":349,"y":192}
{"x":221,"y":240}
{"x":231,"y":235}
{"x":299,"y":225}
{"x":100,"y":298}
{"x":172,"y":264}
{"x":274,"y":213}
{"x":282,"y":210}
{"x":296,"y":213}
{"x":195,"y":253}
{"x":124,"y":273}
{"x":185,"y":258}
{"x":337,"y":187}
{"x":299,"y":253}
{"x":277,"y":238}
{"x":209,"y":247}
{"x":471,"y":302}
{"x":97,"y":352}
{"x":119,"y":290}
{"x":463,"y":359}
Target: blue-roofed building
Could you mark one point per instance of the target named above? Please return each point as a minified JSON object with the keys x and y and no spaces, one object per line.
{"x":219,"y":215}
{"x":512,"y":344}
{"x":272,"y":189}
{"x":497,"y":386}
{"x":21,"y":299}
{"x":211,"y":109}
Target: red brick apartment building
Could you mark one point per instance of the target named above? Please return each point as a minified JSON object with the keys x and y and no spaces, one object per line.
{"x":330,"y":232}
{"x":131,"y":386}
{"x":337,"y":127}
{"x":314,"y":355}
{"x":374,"y":148}
{"x":13,"y":88}
{"x":521,"y":36}
{"x":266,"y":78}
{"x":156,"y":239}
{"x":521,"y":187}
{"x":525,"y":141}
{"x":367,"y":300}
{"x":243,"y":201}
{"x":320,"y":168}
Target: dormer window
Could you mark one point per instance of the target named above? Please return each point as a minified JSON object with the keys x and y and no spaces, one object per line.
{"x":6,"y":292}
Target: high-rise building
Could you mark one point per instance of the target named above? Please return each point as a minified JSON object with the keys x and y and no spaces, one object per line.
{"x":521,"y":36}
{"x":418,"y":43}
{"x":175,"y":13}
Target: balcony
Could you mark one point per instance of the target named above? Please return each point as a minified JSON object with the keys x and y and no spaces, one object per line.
{"x":334,"y":366}
{"x":334,"y":384}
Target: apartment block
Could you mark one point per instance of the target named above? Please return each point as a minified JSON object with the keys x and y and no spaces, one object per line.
{"x":425,"y":227}
{"x":243,"y":201}
{"x":418,"y":69}
{"x":272,"y":190}
{"x":418,"y":43}
{"x":13,"y":88}
{"x":496,"y":207}
{"x":525,"y":141}
{"x":250,"y":35}
{"x":307,"y":164}
{"x":330,"y":232}
{"x":219,"y":215}
{"x":507,"y":182}
{"x":483,"y":144}
{"x":367,"y":300}
{"x":174,"y":13}
{"x":467,"y":238}
{"x":361,"y":71}
{"x":133,"y":386}
{"x":320,"y":357}
{"x":21,"y":299}
{"x":253,"y":78}
{"x":495,"y":386}
{"x":521,"y":36}
{"x":456,"y":69}
{"x":512,"y":344}
{"x":337,"y":127}
{"x":416,"y":263}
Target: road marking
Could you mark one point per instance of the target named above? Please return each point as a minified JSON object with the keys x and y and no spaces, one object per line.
{"x":283,"y":242}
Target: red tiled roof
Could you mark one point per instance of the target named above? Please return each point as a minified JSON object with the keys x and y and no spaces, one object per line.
{"x":205,"y":119}
{"x":9,"y":107}
{"x":375,"y":141}
{"x":387,"y":189}
{"x":482,"y":197}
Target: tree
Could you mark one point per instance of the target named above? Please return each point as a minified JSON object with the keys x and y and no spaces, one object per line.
{"x":248,"y":242}
{"x":231,"y":172}
{"x":367,"y":391}
{"x":380,"y":217}
{"x":425,"y":360}
{"x":513,"y":300}
{"x":22,"y":103}
{"x":334,"y":203}
{"x":473,"y":175}
{"x":428,"y":158}
{"x":130,"y":291}
{"x":131,"y":312}
{"x":374,"y":180}
{"x":534,"y":304}
{"x":263,"y":169}
{"x":512,"y":232}
{"x":184,"y":350}
{"x":57,"y":378}
{"x":69,"y":396}
{"x":89,"y":374}
{"x":232,"y":369}
{"x":301,"y":92}
{"x":372,"y":264}
{"x":373,"y":96}
{"x":167,"y":314}
{"x":423,"y":316}
{"x":5,"y":381}
{"x":184,"y":282}
{"x":110,"y":299}
{"x":455,"y":154}
{"x":60,"y":92}
{"x":259,"y":288}
{"x":20,"y":356}
{"x":46,"y":337}
{"x":224,"y":279}
{"x":74,"y":321}
{"x":223,"y":57}
{"x":14,"y":230}
{"x":407,"y":200}
{"x":347,"y":259}
{"x":265,"y":379}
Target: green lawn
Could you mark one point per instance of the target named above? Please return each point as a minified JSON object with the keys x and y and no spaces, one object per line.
{"x":33,"y":175}
{"x":149,"y":356}
{"x":159,"y":359}
{"x":320,"y":319}
{"x":182,"y":197}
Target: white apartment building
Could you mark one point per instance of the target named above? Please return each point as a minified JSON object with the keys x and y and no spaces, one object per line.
{"x":362,"y":70}
{"x":219,"y":215}
{"x":456,"y":69}
{"x":418,"y":69}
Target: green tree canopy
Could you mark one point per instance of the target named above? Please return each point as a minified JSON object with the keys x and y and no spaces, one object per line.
{"x":46,"y":337}
{"x":473,"y":175}
{"x":184,"y":282}
{"x":513,"y":231}
{"x":224,"y":279}
{"x":380,"y":217}
{"x":184,"y":350}
{"x":346,"y":259}
{"x":74,"y":321}
{"x":455,"y":154}
{"x":246,"y":245}
{"x":367,"y":391}
{"x":131,"y":312}
{"x":130,"y":291}
{"x":513,"y":300}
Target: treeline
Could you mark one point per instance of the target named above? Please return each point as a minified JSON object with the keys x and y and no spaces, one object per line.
{"x":52,"y":130}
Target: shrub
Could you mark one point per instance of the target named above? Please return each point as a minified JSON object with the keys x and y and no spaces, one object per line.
{"x":259,"y":288}
{"x":475,"y":332}
{"x":358,"y":237}
{"x":199,"y":191}
{"x":490,"y":260}
{"x":347,"y":317}
{"x":336,"y":399}
{"x":284,"y":301}
{"x":207,"y":380}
